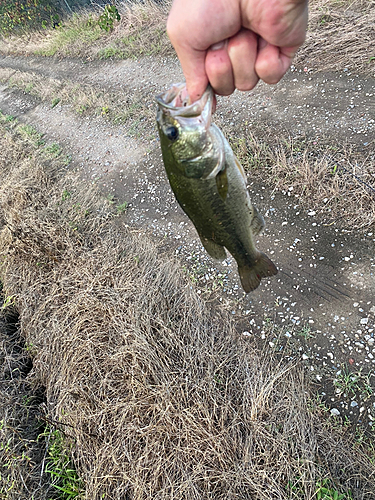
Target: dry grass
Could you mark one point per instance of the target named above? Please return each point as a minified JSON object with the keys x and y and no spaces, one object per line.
{"x":141,"y":32}
{"x":339,"y":183}
{"x":162,"y":399}
{"x":341,"y":35}
{"x":131,"y":109}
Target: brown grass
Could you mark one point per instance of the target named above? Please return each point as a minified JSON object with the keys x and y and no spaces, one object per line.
{"x":161,"y":397}
{"x":339,"y":183}
{"x":341,"y":35}
{"x":141,"y":32}
{"x":130,"y":109}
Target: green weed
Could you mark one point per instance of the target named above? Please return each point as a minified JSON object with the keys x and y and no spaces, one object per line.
{"x":334,"y":169}
{"x":10,"y":118}
{"x":81,"y":108}
{"x":105,"y":110}
{"x":59,"y":466}
{"x":54,"y":21}
{"x":306,"y":333}
{"x":354,"y":383}
{"x":53,"y":150}
{"x":109,"y":52}
{"x":65,"y":195}
{"x":22,"y":15}
{"x":121,"y":209}
{"x":8,"y":301}
{"x":29,"y":133}
{"x":324,"y":490}
{"x":111,"y":199}
{"x":346,"y":382}
{"x":108,"y":18}
{"x":55,"y":102}
{"x":29,"y":87}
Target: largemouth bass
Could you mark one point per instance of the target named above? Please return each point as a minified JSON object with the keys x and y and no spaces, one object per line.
{"x":210,"y":184}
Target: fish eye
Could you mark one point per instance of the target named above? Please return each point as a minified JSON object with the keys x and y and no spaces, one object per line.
{"x":172,"y":133}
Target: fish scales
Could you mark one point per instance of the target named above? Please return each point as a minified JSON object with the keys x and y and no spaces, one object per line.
{"x":209,"y":183}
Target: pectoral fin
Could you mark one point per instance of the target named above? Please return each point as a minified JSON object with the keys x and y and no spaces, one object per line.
{"x":257,"y":222}
{"x":222,"y":184}
{"x":251,"y":275}
{"x":213,"y":249}
{"x":220,"y":165}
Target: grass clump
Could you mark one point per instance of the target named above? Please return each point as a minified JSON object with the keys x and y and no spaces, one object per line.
{"x":137,"y":43}
{"x":59,"y":466}
{"x":339,"y":182}
{"x":340,"y":36}
{"x":81,"y":30}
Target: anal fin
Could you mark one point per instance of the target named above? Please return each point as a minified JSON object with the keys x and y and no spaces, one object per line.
{"x":213,"y":249}
{"x":251,"y":275}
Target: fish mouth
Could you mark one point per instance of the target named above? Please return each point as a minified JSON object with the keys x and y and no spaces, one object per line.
{"x":175,"y":102}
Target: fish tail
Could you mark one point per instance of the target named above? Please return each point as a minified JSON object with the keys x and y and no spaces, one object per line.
{"x":252,"y":274}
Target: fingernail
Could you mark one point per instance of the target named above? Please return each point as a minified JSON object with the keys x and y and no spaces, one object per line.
{"x":218,"y":45}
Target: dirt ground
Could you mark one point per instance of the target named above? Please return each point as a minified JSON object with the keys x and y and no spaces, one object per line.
{"x":325,"y":286}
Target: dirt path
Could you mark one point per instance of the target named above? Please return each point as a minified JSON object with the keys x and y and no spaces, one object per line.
{"x":323,"y":296}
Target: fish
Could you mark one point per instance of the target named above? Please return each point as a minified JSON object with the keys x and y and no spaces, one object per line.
{"x":209,"y":183}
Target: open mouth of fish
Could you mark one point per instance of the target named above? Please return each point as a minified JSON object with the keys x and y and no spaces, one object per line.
{"x":176,"y":102}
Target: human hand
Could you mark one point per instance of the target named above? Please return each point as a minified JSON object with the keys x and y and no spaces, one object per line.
{"x":234,"y":43}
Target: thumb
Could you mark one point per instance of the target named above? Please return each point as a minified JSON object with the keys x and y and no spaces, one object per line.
{"x":193,"y":66}
{"x":192,"y":60}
